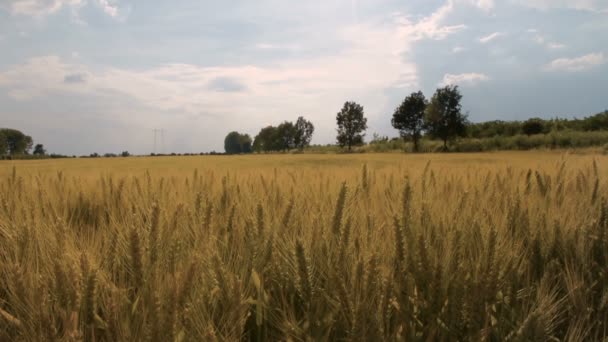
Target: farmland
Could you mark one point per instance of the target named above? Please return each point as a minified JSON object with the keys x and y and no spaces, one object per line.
{"x":487,"y":246}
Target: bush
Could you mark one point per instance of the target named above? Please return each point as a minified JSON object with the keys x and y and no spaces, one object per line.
{"x":533,"y":126}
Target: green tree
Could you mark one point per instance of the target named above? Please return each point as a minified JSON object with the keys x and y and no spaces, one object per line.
{"x":303,"y":132}
{"x":3,"y":144}
{"x":232,"y":143}
{"x":408,"y":118}
{"x":236,"y":143}
{"x":246,"y":143}
{"x":595,"y":122}
{"x":266,"y":140}
{"x":16,"y":142}
{"x":495,"y":128}
{"x":533,"y":126}
{"x":443,"y":118}
{"x":351,"y":125}
{"x":39,"y":150}
{"x":286,"y":135}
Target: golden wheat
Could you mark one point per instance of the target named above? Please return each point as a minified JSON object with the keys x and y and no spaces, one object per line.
{"x":500,"y":246}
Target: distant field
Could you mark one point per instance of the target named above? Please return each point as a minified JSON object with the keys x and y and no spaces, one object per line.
{"x":182,"y":166}
{"x":494,"y":246}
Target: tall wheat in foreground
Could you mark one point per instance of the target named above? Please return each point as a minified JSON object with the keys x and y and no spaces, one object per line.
{"x":280,"y":248}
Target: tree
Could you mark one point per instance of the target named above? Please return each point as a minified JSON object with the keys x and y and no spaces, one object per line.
{"x":533,"y":126}
{"x":286,"y":135}
{"x":443,"y":119}
{"x":408,"y":118}
{"x":125,"y":154}
{"x":39,"y":150}
{"x":266,"y":140}
{"x":245,"y":140}
{"x":232,"y":143}
{"x":15,"y":141}
{"x":236,"y":143}
{"x":351,"y":125}
{"x":303,"y":133}
{"x":3,"y":144}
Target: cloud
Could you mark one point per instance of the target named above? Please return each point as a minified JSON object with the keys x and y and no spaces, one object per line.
{"x":541,"y":40}
{"x":109,"y":8}
{"x":538,"y":38}
{"x":581,"y":5}
{"x":458,"y":49}
{"x":432,"y":27}
{"x":39,"y":8}
{"x":490,"y":37}
{"x":460,"y":79}
{"x":75,"y":78}
{"x":368,"y":60}
{"x":43,"y":8}
{"x":373,"y":57}
{"x":485,"y":5}
{"x":555,"y":46}
{"x":226,"y":84}
{"x":266,"y":46}
{"x":576,"y":64}
{"x":278,"y":47}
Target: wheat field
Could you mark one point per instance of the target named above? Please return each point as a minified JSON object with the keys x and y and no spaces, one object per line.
{"x":394,"y":247}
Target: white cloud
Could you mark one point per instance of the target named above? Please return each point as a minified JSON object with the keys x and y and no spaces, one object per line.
{"x":458,"y":49}
{"x":466,"y":78}
{"x":539,"y":39}
{"x":576,"y":64}
{"x":376,"y":53}
{"x":43,"y":8}
{"x":39,"y":8}
{"x":582,"y":5}
{"x":485,"y":5}
{"x":109,"y":8}
{"x":491,"y":37}
{"x":286,"y":47}
{"x":266,"y":46}
{"x":376,"y":58}
{"x":555,"y":46}
{"x":373,"y":55}
{"x":432,"y":26}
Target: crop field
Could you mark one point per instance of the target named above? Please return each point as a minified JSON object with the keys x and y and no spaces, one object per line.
{"x":394,"y":247}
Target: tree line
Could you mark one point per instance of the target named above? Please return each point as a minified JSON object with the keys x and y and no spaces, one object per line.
{"x":416,"y":117}
{"x":532,"y":126}
{"x":439,"y":118}
{"x":14,"y":142}
{"x":284,"y":137}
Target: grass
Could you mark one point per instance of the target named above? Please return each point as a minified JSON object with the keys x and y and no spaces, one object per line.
{"x":565,"y":139}
{"x":484,"y":246}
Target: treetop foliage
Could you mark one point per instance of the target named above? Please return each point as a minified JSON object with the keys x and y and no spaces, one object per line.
{"x":408,"y":118}
{"x":39,"y":150}
{"x":443,"y":117}
{"x":285,"y":136}
{"x":236,"y":143}
{"x":14,"y":142}
{"x":351,"y":125}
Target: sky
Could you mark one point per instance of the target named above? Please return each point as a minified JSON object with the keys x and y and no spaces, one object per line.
{"x":84,"y":76}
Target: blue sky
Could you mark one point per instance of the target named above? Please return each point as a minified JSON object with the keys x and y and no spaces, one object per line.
{"x":85,"y":76}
